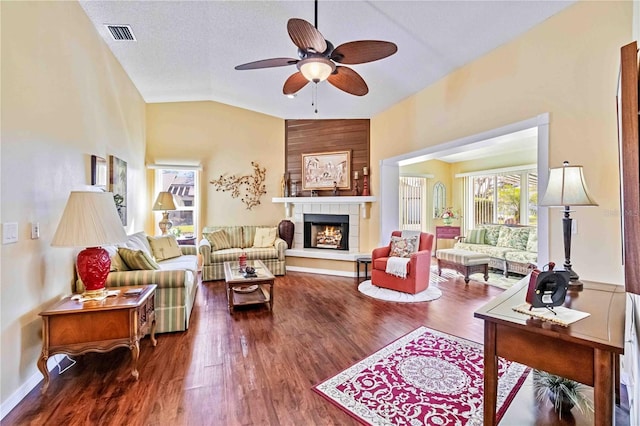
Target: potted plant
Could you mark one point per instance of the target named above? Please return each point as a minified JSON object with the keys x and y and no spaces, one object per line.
{"x":563,"y":393}
{"x":448,"y":215}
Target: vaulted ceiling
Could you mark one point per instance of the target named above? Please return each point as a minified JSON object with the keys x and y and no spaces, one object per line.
{"x":187,"y":50}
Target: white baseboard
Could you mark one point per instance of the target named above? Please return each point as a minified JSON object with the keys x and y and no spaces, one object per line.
{"x":333,"y":272}
{"x":33,"y":381}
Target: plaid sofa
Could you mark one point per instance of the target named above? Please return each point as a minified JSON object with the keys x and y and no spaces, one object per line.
{"x":176,"y":281}
{"x":241,"y":238}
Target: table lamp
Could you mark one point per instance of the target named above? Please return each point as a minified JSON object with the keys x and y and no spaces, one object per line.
{"x":90,"y":220}
{"x":566,"y":187}
{"x":164,"y":202}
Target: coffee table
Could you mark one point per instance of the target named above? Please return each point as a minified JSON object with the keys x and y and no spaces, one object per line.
{"x":248,"y":291}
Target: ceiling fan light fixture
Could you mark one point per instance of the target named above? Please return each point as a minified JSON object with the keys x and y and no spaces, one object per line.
{"x":316,"y":69}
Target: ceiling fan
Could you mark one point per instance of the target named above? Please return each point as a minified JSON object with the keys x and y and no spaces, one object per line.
{"x":318,"y":59}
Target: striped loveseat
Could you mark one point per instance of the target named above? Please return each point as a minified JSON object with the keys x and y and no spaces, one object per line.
{"x":176,"y":280}
{"x":241,"y":240}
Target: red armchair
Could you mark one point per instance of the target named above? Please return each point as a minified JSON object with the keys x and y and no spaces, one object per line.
{"x":418,"y":268}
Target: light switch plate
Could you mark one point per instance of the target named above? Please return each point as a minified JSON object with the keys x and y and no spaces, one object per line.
{"x":9,"y":232}
{"x":35,"y":230}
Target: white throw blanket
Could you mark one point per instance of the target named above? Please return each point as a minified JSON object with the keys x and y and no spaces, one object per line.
{"x":397,"y":266}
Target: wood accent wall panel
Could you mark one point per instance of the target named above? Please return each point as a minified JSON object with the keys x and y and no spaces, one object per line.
{"x":309,"y":136}
{"x":630,"y":164}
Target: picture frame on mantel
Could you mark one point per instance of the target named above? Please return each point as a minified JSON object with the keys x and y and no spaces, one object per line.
{"x":118,"y":185}
{"x":326,"y":170}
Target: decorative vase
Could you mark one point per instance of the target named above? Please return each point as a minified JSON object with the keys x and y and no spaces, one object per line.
{"x":565,"y":404}
{"x":447,"y":221}
{"x":242,"y":261}
{"x":285,"y":230}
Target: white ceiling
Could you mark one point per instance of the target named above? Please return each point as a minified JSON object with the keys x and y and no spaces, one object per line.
{"x":187,"y":50}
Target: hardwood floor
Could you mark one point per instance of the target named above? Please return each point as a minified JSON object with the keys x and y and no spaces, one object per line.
{"x":258,"y":367}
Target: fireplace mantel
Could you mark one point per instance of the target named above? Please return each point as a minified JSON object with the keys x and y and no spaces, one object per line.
{"x":362,"y":200}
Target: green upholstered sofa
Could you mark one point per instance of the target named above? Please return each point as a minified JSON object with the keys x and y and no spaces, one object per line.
{"x":241,"y":239}
{"x":511,"y":248}
{"x":176,"y":280}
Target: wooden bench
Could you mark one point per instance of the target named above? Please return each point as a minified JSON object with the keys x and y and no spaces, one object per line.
{"x":463,"y":261}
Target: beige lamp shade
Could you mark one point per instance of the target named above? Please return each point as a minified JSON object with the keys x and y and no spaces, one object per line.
{"x":567,"y":187}
{"x":90,"y":219}
{"x":164,"y":201}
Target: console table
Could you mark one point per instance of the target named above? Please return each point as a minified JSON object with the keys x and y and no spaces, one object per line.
{"x":446,"y":233}
{"x":73,"y":327}
{"x":586,"y":351}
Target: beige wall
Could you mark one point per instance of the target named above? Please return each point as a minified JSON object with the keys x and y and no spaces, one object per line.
{"x":566,"y":66}
{"x":64,"y":97}
{"x":223,"y":139}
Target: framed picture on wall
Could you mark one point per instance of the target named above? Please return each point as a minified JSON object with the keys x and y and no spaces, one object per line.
{"x":326,"y":170}
{"x":98,"y":172}
{"x":118,"y":185}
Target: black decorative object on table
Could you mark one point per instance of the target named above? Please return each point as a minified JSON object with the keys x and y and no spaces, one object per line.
{"x":250,"y":272}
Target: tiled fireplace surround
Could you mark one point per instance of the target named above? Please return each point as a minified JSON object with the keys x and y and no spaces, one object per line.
{"x":355,"y":207}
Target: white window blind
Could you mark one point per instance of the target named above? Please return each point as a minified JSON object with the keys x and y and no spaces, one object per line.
{"x":413,"y":196}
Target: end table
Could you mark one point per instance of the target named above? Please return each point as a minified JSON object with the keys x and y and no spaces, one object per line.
{"x":73,"y":327}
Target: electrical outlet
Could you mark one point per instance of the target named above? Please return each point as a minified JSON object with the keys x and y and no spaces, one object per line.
{"x":574,"y":226}
{"x":35,"y":230}
{"x":9,"y":233}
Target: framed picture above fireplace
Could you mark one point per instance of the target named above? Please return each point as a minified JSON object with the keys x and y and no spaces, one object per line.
{"x":326,"y":170}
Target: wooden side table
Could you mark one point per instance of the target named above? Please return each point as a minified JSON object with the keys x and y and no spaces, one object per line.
{"x":586,"y":351}
{"x":446,"y":233}
{"x":74,"y":328}
{"x":186,"y":241}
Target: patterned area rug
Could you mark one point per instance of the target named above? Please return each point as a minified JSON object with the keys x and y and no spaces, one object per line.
{"x":495,"y":279}
{"x":431,"y":293}
{"x":426,"y":377}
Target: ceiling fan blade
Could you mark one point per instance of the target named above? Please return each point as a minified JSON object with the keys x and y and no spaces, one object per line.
{"x":294,"y":83}
{"x":359,"y":52}
{"x":306,"y":36}
{"x":349,"y":81}
{"x":267,"y":63}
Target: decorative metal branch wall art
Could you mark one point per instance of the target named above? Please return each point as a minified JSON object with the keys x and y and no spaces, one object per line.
{"x":252,"y":185}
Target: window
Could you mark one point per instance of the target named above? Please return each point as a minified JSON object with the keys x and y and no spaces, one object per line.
{"x":508,"y":197}
{"x":412,"y":203}
{"x":184,"y":185}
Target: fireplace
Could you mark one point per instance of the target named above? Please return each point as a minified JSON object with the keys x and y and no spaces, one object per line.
{"x":326,"y":231}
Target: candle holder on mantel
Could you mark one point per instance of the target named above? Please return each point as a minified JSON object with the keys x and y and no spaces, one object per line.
{"x":365,"y":182}
{"x":356,"y":188}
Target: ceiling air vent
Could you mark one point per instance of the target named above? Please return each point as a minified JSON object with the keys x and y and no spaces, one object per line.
{"x":121,"y":32}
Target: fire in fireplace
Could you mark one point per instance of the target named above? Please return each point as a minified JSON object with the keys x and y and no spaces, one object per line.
{"x":326,"y":231}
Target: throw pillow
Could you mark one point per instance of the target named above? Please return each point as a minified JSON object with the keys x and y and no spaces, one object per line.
{"x":218,"y":240}
{"x":265,"y":237}
{"x":137,"y":259}
{"x":476,"y":236}
{"x":165,"y":247}
{"x":519,"y":238}
{"x":492,"y":234}
{"x":504,"y":237}
{"x":117,"y":264}
{"x":403,"y":247}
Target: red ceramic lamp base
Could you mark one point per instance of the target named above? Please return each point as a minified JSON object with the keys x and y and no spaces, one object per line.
{"x":93,"y":265}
